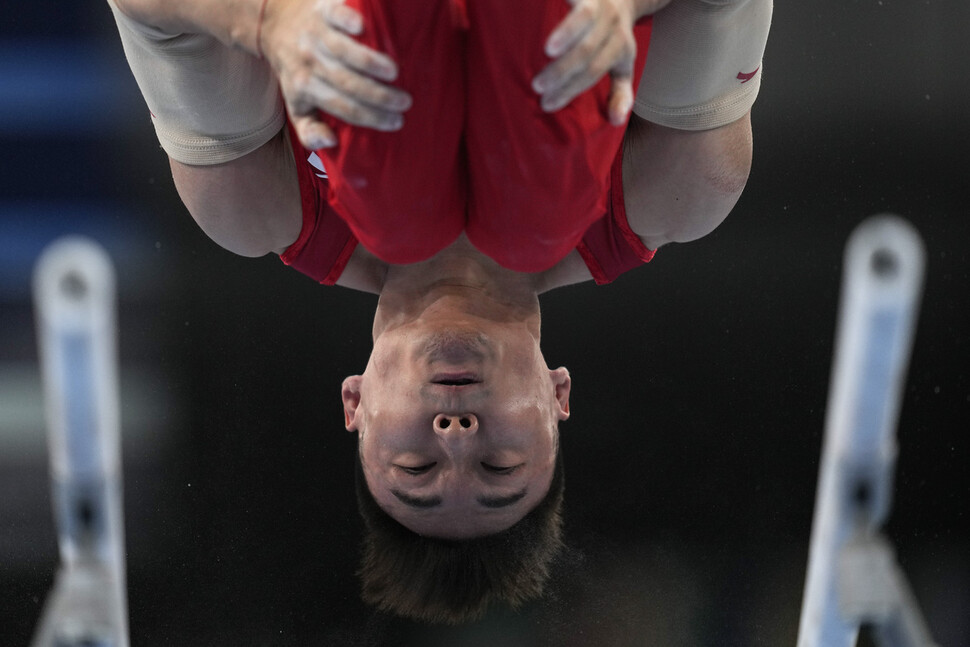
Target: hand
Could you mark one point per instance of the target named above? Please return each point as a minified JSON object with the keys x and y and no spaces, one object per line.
{"x":595,"y":38}
{"x":320,"y":66}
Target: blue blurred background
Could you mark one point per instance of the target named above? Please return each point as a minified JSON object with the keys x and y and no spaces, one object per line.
{"x":700,"y":381}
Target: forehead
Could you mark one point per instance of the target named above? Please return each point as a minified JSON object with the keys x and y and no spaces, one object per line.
{"x":457,"y":517}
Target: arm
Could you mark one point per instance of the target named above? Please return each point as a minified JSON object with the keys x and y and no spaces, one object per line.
{"x":250,"y":205}
{"x":688,"y":145}
{"x":307,"y":46}
{"x":230,"y":164}
{"x":679,"y":185}
{"x":217,"y":109}
{"x":687,"y":150}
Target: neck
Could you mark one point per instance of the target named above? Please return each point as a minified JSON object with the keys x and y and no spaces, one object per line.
{"x":457,"y":281}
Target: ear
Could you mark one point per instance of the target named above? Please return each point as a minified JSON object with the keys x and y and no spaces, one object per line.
{"x":350,"y":394}
{"x":562,"y":382}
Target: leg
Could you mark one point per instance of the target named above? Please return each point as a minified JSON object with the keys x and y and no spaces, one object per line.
{"x":538,"y":180}
{"x":403,"y":193}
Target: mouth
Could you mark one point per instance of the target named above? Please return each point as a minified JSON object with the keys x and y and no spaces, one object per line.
{"x":455,"y":379}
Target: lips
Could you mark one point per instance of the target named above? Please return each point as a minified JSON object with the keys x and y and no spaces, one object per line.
{"x":456,"y":379}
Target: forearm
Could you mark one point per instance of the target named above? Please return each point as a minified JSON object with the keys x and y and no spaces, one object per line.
{"x":688,"y":147}
{"x":680,"y":185}
{"x":218,"y":115}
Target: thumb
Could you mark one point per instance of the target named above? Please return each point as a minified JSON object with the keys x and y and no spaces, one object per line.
{"x":313,"y":133}
{"x":621,"y":93}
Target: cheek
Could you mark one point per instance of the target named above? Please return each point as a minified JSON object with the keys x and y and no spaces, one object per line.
{"x":384,"y":366}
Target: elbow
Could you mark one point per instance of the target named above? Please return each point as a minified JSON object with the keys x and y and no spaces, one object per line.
{"x":239,"y":211}
{"x":724,"y":177}
{"x":236,"y":230}
{"x":730,"y":163}
{"x":729,"y":175}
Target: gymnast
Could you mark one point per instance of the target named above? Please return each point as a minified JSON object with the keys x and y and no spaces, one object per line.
{"x":457,"y":158}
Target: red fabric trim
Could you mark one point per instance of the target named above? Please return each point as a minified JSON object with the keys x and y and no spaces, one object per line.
{"x":341,"y":262}
{"x":609,"y":247}
{"x":618,"y":211}
{"x":308,"y":199}
{"x":325,"y":243}
{"x":592,"y":264}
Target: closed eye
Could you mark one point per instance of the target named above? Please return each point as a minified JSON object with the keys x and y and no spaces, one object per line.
{"x":500,"y":470}
{"x":415,"y":471}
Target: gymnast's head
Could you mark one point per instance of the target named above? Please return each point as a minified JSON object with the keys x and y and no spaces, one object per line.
{"x":457,"y":426}
{"x":457,"y":418}
{"x":459,"y":477}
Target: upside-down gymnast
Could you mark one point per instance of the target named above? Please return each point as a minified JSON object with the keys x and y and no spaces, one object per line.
{"x":456,"y":158}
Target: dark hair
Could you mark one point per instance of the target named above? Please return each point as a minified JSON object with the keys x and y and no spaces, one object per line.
{"x":454,"y":581}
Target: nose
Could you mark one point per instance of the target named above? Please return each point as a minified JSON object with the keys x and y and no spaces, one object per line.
{"x":462,"y":425}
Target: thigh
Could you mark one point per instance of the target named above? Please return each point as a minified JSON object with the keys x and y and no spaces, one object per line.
{"x":403,"y":193}
{"x":537,"y":180}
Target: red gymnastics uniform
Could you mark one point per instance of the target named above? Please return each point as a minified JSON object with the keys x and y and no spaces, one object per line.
{"x":476,"y":154}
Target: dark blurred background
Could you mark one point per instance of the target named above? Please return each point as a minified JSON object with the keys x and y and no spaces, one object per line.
{"x":700,"y":381}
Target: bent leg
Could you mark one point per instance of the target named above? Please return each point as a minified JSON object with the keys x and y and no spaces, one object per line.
{"x":537,"y":179}
{"x":403,"y":193}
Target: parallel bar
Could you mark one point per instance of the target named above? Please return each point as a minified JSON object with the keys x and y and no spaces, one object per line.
{"x":74,"y":292}
{"x":881,"y":288}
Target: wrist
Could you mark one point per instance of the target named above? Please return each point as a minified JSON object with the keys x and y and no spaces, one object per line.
{"x":260,"y":18}
{"x":246,"y":28}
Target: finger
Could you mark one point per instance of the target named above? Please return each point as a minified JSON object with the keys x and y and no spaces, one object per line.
{"x":621,"y":100}
{"x":360,"y":57}
{"x":573,"y":62}
{"x":344,"y":18}
{"x":313,"y":133}
{"x":358,"y":87}
{"x":600,"y":64}
{"x":621,"y":89}
{"x":574,"y":26}
{"x":319,"y":94}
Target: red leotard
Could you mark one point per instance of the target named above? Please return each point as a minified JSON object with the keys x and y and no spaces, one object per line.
{"x":476,"y":154}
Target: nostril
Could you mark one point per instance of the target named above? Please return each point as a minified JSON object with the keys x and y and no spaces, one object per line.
{"x":465,"y":422}
{"x":444,"y":423}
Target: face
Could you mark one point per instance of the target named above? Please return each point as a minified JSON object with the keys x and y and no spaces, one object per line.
{"x":457,"y":425}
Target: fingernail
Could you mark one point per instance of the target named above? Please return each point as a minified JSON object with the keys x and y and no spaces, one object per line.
{"x":553,"y":46}
{"x":388,"y":72}
{"x":318,"y":140}
{"x":539,"y":84}
{"x":351,"y":22}
{"x":622,"y":111}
